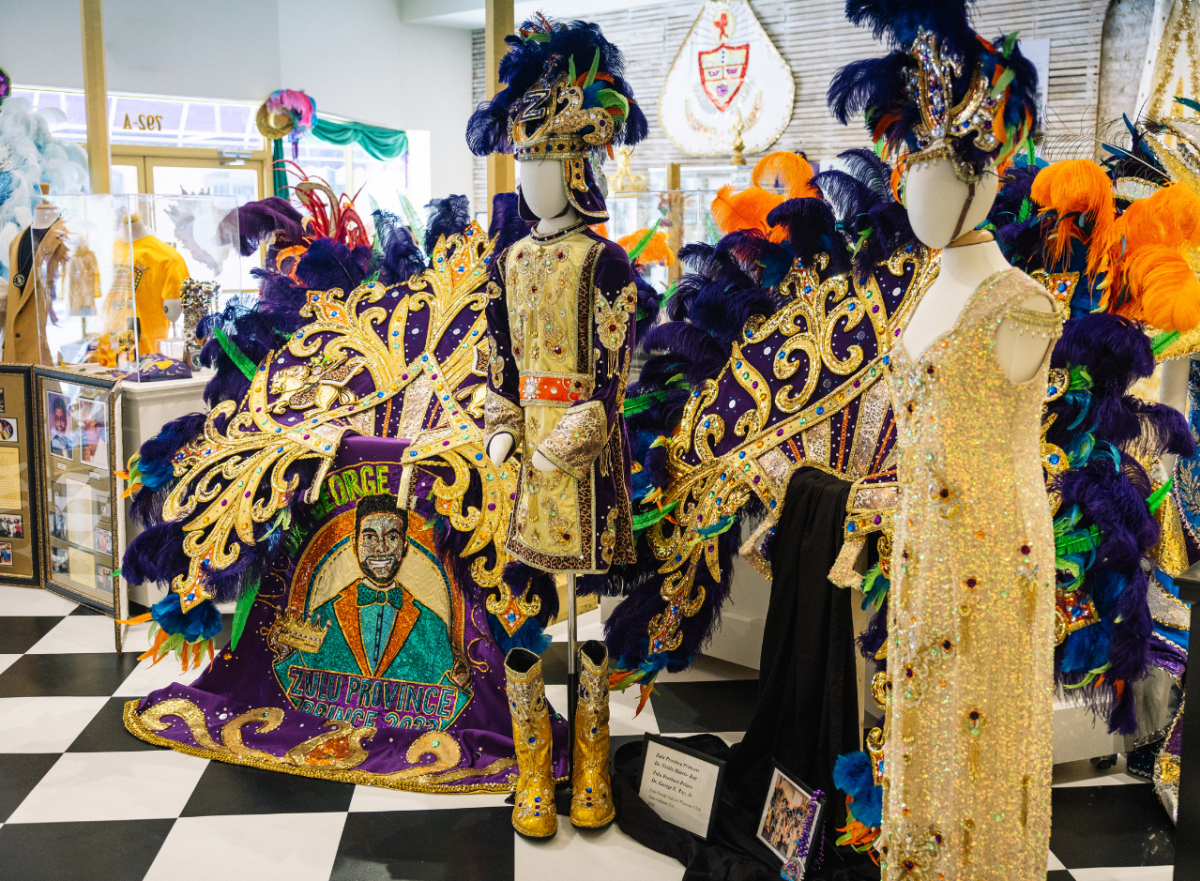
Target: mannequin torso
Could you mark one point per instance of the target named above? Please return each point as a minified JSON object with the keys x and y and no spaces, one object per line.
{"x":541,"y":185}
{"x":935,"y":198}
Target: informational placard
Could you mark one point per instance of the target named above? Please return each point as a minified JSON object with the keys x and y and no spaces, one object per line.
{"x":20,"y":527}
{"x":681,"y":784}
{"x":81,"y":453}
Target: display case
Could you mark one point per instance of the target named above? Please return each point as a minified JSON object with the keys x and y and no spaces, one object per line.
{"x":21,"y":529}
{"x":109,"y":272}
{"x":677,"y":214}
{"x":81,"y":452}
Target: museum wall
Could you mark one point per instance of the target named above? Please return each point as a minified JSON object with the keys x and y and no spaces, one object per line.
{"x":355,"y":57}
{"x":815,"y":39}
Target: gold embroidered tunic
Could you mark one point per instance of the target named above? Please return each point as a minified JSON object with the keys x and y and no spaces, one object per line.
{"x":971,"y":607}
{"x":561,"y":325}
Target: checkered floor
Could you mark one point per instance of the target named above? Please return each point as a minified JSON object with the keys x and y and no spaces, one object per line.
{"x":82,"y":799}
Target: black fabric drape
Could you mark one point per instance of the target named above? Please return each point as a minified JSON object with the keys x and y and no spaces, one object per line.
{"x":807,"y":711}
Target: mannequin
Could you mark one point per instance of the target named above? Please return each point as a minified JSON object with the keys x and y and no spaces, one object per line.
{"x":135,"y":229}
{"x":31,"y":285}
{"x":561,"y":334}
{"x":541,"y":185}
{"x":133,"y":307}
{"x":45,"y":213}
{"x":935,"y":198}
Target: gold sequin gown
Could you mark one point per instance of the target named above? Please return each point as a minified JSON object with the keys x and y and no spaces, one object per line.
{"x":971,"y":607}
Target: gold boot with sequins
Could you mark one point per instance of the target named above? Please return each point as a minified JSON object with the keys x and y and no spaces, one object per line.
{"x":533,"y":810}
{"x":591,"y":791}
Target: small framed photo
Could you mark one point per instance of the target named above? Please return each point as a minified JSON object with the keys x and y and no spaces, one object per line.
{"x":12,"y":526}
{"x":6,"y":553}
{"x":103,"y":541}
{"x":8,"y":430}
{"x":63,"y":439}
{"x":791,"y":822}
{"x":93,"y":433}
{"x":58,"y":561}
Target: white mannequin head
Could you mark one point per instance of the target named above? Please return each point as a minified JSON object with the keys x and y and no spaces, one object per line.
{"x":934,"y":197}
{"x":545,"y":194}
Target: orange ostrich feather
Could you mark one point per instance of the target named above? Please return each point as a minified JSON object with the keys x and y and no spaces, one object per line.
{"x":1077,"y":186}
{"x":656,"y":251}
{"x":787,"y":170}
{"x":1150,"y":277}
{"x":1163,"y":289}
{"x":745,"y":210}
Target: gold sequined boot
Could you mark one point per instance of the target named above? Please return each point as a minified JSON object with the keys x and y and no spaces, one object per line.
{"x":591,"y":791}
{"x":533,"y":812}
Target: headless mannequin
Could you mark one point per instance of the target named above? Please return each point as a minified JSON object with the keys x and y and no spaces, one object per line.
{"x":542,"y":186}
{"x":135,"y":229}
{"x":935,"y":198}
{"x":44,"y":215}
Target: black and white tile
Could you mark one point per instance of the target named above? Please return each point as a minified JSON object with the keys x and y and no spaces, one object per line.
{"x":82,"y":798}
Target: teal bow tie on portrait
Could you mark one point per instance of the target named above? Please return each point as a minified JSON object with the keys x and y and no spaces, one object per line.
{"x":369,"y":596}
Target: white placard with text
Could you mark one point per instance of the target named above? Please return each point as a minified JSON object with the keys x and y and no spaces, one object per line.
{"x":681,"y":785}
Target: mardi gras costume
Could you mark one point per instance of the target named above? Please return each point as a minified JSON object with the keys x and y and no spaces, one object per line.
{"x":969,"y":680}
{"x":339,"y":492}
{"x":561,"y":323}
{"x":560,"y":316}
{"x":1118,"y":537}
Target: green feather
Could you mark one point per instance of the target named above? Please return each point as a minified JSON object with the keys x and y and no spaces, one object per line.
{"x":236,"y":355}
{"x":1159,"y":495}
{"x":242,"y":612}
{"x":1001,"y":84}
{"x":591,"y":77}
{"x":1189,"y":103}
{"x":571,"y":71}
{"x":1026,"y":211}
{"x":643,"y":522}
{"x":609,"y":98}
{"x":670,"y":292}
{"x":636,"y":250}
{"x":1161,"y":342}
{"x":1009,"y":43}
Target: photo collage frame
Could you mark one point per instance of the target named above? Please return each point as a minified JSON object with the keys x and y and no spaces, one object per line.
{"x":80,"y":416}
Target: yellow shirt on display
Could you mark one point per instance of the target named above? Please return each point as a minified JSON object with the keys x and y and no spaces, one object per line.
{"x":158,"y":271}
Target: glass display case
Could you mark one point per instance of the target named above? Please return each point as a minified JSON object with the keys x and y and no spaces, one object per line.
{"x":109,"y":271}
{"x":80,"y":456}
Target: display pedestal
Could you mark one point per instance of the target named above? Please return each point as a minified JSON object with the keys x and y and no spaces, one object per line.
{"x":147,"y":407}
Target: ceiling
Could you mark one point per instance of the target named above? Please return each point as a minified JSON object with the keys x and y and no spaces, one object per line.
{"x":469,"y":14}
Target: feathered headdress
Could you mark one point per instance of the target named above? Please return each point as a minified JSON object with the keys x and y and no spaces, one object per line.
{"x":944,"y":92}
{"x":565,"y":98}
{"x":287,"y":112}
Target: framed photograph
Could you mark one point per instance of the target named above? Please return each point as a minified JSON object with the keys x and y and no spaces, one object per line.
{"x":81,"y":443}
{"x":791,"y":821}
{"x":12,"y":526}
{"x":93,"y":433}
{"x":21,"y":531}
{"x":58,"y":561}
{"x":61,"y":425}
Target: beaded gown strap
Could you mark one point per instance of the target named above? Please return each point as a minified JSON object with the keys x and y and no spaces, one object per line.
{"x":1004,"y":300}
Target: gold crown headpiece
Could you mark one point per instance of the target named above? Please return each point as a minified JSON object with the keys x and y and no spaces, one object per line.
{"x":550,"y":121}
{"x":931,"y":85}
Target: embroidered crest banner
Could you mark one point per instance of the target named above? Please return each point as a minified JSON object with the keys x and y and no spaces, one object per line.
{"x":727,"y":76}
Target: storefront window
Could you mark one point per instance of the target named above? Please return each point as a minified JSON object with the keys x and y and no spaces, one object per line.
{"x":165,"y":122}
